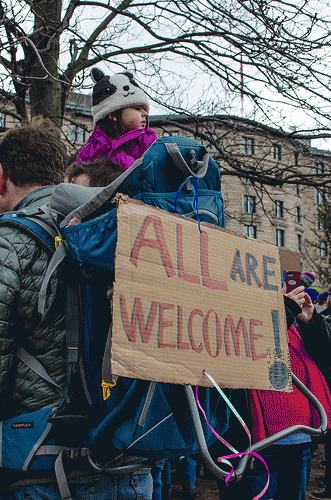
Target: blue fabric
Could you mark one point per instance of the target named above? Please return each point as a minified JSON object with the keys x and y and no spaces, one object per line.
{"x":296,"y":438}
{"x":136,"y":486}
{"x":289,"y":468}
{"x":94,"y":241}
{"x":161,"y":474}
{"x":19,"y":436}
{"x":188,"y":473}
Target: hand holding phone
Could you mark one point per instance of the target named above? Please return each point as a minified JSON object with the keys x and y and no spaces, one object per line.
{"x":293,"y":280}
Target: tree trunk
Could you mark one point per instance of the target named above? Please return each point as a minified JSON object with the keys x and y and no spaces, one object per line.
{"x":45,"y":88}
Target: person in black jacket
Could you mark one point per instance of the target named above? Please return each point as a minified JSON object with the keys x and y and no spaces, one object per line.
{"x":315,"y":330}
{"x":32,"y":161}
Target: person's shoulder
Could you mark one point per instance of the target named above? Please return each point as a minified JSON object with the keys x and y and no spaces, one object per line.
{"x":36,"y":198}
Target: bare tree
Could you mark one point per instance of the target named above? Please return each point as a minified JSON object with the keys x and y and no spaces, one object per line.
{"x":262,"y":174}
{"x":268,"y":51}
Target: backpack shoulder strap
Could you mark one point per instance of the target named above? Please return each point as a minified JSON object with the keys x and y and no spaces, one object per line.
{"x":39,"y":229}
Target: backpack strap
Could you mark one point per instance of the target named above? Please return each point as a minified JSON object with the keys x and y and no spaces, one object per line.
{"x":101,"y":197}
{"x":57,"y":257}
{"x":36,"y":367}
{"x":199,"y":168}
{"x":40,"y":230}
{"x":46,"y":233}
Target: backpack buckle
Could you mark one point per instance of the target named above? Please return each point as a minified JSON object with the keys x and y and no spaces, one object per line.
{"x":57,"y":241}
{"x":77,"y":452}
{"x":106,"y":386}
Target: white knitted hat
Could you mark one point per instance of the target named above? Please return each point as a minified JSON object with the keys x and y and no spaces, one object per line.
{"x":115,"y":92}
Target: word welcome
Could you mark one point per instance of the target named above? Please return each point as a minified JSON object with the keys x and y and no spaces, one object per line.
{"x":192,"y":334}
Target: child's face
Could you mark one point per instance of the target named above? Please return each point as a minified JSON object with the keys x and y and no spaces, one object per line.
{"x":81,"y":179}
{"x":133,"y":118}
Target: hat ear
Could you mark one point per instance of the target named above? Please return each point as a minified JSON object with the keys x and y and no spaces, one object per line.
{"x":128,"y":74}
{"x":130,"y":77}
{"x":96,"y":74}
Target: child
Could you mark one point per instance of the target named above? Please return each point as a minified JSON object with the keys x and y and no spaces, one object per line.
{"x":120,"y":113}
{"x":101,"y":172}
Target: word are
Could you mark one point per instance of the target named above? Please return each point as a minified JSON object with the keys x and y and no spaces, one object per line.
{"x":245,"y":268}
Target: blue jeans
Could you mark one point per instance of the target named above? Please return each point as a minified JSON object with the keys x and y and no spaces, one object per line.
{"x":135,"y":486}
{"x":289,"y":467}
{"x":188,"y":471}
{"x":161,"y":474}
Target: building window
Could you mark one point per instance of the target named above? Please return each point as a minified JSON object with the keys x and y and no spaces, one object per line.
{"x":319,"y":167}
{"x":279,"y":177}
{"x":77,"y":133}
{"x":248,"y":146}
{"x":299,"y":242}
{"x":319,"y":197}
{"x":322,"y":249}
{"x":250,"y":231}
{"x":319,"y":223}
{"x":2,"y":120}
{"x":249,"y":204}
{"x":245,"y":180}
{"x":279,"y":208}
{"x":277,"y":152}
{"x":299,"y":215}
{"x":280,"y":237}
{"x":170,"y":133}
{"x":296,"y":158}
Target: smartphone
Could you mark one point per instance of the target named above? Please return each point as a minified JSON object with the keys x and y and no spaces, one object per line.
{"x":293,"y":280}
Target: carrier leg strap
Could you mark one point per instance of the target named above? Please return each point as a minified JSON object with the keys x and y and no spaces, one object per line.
{"x":61,"y":478}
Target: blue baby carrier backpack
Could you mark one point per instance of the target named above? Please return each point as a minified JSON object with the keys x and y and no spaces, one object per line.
{"x":115,"y":424}
{"x":118,"y":424}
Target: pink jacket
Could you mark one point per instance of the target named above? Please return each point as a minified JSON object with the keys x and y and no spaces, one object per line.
{"x":273,"y":411}
{"x":125,"y":150}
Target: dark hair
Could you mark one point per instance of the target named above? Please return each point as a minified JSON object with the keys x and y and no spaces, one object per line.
{"x":112,"y":127}
{"x":101,"y":172}
{"x":33,"y":153}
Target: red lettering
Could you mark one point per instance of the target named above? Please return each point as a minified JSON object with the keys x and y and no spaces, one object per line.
{"x":207,"y":280}
{"x":137,"y":317}
{"x":192,"y":278}
{"x":236,"y":337}
{"x":194,"y":313}
{"x":180,"y":344}
{"x":228,"y":327}
{"x":241,"y":327}
{"x":218,"y":334}
{"x":254,"y":336}
{"x":163,"y":323}
{"x":158,"y":244}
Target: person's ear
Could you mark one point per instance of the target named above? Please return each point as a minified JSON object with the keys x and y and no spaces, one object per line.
{"x":3,"y":182}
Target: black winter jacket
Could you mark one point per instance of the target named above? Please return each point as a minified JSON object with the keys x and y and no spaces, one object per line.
{"x":23,"y":262}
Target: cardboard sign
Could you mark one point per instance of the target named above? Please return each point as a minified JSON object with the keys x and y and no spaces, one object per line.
{"x":289,"y":261}
{"x":188,"y":300}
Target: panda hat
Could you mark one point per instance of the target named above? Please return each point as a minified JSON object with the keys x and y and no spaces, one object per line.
{"x":111,"y":93}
